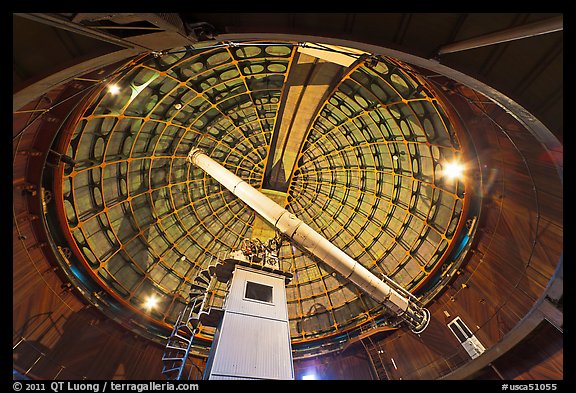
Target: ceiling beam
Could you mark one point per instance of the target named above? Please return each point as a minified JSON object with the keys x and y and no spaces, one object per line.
{"x":62,"y":23}
{"x":515,"y":33}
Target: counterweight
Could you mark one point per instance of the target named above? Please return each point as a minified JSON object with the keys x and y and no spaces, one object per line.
{"x":384,"y":291}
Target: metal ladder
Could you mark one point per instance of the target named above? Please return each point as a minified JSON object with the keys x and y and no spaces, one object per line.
{"x":179,"y":343}
{"x":378,"y":364}
{"x":186,"y":326}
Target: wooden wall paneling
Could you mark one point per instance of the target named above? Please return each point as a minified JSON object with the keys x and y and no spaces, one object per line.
{"x":44,"y":328}
{"x":440,"y":342}
{"x":74,"y":339}
{"x":457,"y":359}
{"x":19,"y":165}
{"x":489,"y":280}
{"x":147,"y":365}
{"x":387,"y":356}
{"x":541,"y":271}
{"x":429,"y":370}
{"x":433,"y":370}
{"x":550,"y":219}
{"x":550,"y":205}
{"x":40,"y":305}
{"x":444,"y":304}
{"x":534,"y":281}
{"x":493,"y":292}
{"x":500,"y":326}
{"x":472,"y":259}
{"x":48,"y":369}
{"x":68,"y":374}
{"x":26,"y":140}
{"x":489,"y":333}
{"x":442,"y":367}
{"x":477,"y":315}
{"x":518,"y":302}
{"x":126,"y":356}
{"x":529,"y":290}
{"x":352,"y":364}
{"x":519,"y":196}
{"x":505,"y":254}
{"x":25,"y":356}
{"x":438,"y":338}
{"x":392,"y":351}
{"x":488,"y":223}
{"x":500,"y":274}
{"x":479,"y":301}
{"x":466,"y":302}
{"x":348,"y":367}
{"x":441,"y":305}
{"x":542,"y":165}
{"x":40,"y":321}
{"x":523,"y":138}
{"x":20,"y":209}
{"x":507,"y":318}
{"x":436,"y":309}
{"x":550,"y":190}
{"x":24,"y":277}
{"x":42,"y":284}
{"x":514,"y":238}
{"x":518,"y":184}
{"x":132,"y":360}
{"x":78,"y":343}
{"x":461,"y":276}
{"x":540,"y":356}
{"x":549,"y":247}
{"x":107,"y":352}
{"x":98,"y":349}
{"x":410,"y":355}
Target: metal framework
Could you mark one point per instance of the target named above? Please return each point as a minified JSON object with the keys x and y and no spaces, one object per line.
{"x":384,"y":290}
{"x":367,"y":178}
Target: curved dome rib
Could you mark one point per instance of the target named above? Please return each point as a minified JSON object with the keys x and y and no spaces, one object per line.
{"x":367,"y":177}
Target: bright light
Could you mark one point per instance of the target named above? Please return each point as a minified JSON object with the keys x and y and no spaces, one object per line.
{"x":113,"y":89}
{"x":151,"y":302}
{"x":309,"y":376}
{"x":453,"y":170}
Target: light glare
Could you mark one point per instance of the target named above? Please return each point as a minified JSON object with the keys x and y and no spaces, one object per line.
{"x":151,"y":302}
{"x":113,"y":89}
{"x":453,"y":170}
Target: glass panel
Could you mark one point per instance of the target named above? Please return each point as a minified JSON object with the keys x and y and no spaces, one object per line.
{"x":258,"y":292}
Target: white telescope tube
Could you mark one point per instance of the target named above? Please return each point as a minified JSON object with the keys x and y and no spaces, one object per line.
{"x":394,"y":297}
